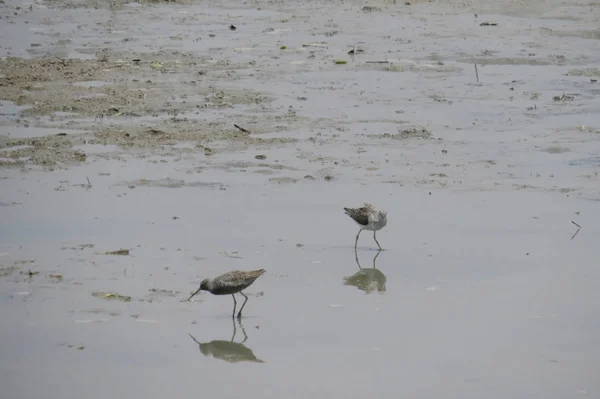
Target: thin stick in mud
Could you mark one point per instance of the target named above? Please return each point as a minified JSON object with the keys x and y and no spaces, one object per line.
{"x":578,"y":228}
{"x":242,"y":129}
{"x":476,"y":72}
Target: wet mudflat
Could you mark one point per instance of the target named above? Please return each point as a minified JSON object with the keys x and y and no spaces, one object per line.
{"x":124,"y":183}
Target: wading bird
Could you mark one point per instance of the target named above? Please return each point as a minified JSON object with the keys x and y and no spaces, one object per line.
{"x":229,"y":284}
{"x":368,"y":218}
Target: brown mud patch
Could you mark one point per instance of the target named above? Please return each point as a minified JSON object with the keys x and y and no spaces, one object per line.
{"x":173,"y":133}
{"x":116,"y":4}
{"x":119,"y":85}
{"x":131,"y":101}
{"x":46,"y":151}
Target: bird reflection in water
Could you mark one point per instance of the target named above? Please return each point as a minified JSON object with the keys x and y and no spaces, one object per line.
{"x":367,"y":280}
{"x":230,"y":351}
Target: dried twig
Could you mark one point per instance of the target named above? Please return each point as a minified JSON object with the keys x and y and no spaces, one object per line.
{"x":89,"y":183}
{"x":242,"y":129}
{"x":476,"y":73}
{"x":578,"y":228}
{"x":377,"y":62}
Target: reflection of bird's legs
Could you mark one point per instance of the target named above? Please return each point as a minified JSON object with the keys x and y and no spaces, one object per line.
{"x":356,"y":241}
{"x":375,"y":258}
{"x":375,"y":237}
{"x":234,"y":330}
{"x":356,"y":257}
{"x":234,"y":305}
{"x":244,"y":304}
{"x":243,"y":330}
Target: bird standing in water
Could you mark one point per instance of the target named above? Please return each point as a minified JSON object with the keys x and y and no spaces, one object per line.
{"x":368,"y":218}
{"x":229,"y":284}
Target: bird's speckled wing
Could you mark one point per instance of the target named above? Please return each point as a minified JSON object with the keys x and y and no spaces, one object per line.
{"x":238,"y":278}
{"x":359,"y":215}
{"x":234,"y":281}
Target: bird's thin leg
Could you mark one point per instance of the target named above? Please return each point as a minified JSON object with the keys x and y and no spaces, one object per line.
{"x":375,"y":237}
{"x":356,"y":241}
{"x":234,"y":305}
{"x":244,"y":304}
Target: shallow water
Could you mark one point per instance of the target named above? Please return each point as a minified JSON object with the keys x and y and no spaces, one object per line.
{"x":485,"y":293}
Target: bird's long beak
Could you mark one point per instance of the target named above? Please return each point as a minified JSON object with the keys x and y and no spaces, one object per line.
{"x":197,"y":291}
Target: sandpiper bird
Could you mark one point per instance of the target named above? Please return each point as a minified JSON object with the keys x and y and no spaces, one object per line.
{"x":368,"y":218}
{"x":229,"y":284}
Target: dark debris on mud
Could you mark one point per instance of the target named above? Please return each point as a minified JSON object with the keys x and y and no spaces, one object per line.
{"x":402,"y":134}
{"x":122,"y":252}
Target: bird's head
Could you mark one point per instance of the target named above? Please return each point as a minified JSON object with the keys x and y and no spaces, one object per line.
{"x":204,"y":286}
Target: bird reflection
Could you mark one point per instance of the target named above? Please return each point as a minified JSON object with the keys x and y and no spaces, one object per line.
{"x":367,"y":280}
{"x":230,"y":351}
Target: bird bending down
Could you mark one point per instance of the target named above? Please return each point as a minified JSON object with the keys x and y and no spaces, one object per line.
{"x":368,"y":218}
{"x":229,"y":284}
